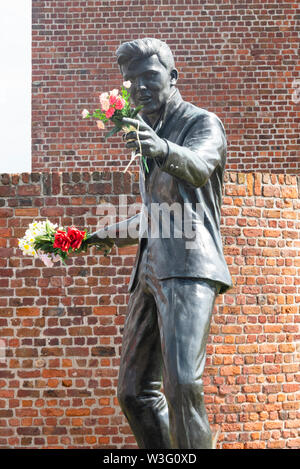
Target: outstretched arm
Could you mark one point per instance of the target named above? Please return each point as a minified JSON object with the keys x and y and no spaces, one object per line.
{"x":124,"y":233}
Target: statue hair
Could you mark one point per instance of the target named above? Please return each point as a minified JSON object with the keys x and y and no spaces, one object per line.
{"x":146,"y":47}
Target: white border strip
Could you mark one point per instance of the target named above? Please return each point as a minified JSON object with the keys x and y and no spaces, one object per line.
{"x":15,"y":86}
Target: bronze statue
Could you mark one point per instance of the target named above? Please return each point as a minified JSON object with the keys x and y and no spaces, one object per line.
{"x":176,"y":277}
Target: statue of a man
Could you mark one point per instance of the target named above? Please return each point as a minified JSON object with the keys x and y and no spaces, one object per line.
{"x":176,"y":278}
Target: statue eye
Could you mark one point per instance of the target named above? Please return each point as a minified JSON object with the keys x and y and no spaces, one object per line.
{"x":132,"y":81}
{"x":150,"y":75}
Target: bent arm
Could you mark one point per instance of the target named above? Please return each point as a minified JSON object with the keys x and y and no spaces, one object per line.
{"x":204,"y":148}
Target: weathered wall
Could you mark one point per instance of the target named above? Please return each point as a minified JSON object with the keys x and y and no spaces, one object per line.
{"x":61,"y":328}
{"x":237,"y":59}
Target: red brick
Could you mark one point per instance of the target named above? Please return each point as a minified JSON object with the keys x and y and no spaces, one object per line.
{"x":28,"y":311}
{"x":26,"y":212}
{"x":77,"y":412}
{"x":289,"y":192}
{"x":105,"y":310}
{"x":28,"y":190}
{"x":72,"y":318}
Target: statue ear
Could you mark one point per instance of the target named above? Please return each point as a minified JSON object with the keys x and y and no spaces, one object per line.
{"x":174,"y":76}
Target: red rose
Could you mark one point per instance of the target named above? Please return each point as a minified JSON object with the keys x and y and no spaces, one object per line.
{"x":76,"y":237}
{"x":110,"y":112}
{"x":120,"y":103}
{"x":61,"y":240}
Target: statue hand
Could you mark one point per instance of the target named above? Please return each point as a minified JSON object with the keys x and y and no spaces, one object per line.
{"x":104,"y":243}
{"x":151,"y":144}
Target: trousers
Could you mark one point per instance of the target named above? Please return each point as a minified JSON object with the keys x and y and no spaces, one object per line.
{"x":164,"y":345}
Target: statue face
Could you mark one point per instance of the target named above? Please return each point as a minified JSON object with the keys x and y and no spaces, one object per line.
{"x":150,"y":84}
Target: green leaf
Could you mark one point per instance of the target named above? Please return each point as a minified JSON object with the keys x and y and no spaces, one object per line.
{"x":49,"y":230}
{"x":42,"y":238}
{"x":114,"y":131}
{"x":117,"y":120}
{"x":145,"y":163}
{"x":135,"y":111}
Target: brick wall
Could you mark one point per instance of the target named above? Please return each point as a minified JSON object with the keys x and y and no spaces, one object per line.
{"x":238,"y":59}
{"x":61,"y":328}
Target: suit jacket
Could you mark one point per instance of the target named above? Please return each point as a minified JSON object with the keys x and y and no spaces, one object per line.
{"x":189,"y":179}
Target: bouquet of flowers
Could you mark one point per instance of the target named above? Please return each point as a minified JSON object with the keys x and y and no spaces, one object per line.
{"x":44,"y":240}
{"x":114,"y":107}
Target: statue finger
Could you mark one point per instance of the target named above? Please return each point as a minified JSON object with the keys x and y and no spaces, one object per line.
{"x":132,"y":144}
{"x":138,"y":122}
{"x":131,"y":136}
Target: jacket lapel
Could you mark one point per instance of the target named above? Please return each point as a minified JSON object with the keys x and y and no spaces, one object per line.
{"x":172,"y":104}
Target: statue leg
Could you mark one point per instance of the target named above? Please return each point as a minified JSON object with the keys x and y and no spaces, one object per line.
{"x":140,"y":376}
{"x":185,"y":308}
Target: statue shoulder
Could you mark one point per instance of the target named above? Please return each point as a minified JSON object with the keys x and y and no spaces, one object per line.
{"x":197,"y":114}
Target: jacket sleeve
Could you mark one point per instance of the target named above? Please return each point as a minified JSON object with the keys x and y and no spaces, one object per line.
{"x":127,"y":231}
{"x":203,"y":149}
{"x":124,"y":233}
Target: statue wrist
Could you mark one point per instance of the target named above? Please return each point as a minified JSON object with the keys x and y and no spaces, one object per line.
{"x":161,"y":159}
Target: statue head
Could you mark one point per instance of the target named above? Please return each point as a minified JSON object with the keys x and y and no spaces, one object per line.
{"x":148,"y":64}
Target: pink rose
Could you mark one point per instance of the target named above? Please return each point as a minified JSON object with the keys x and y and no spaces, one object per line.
{"x":85,"y":113}
{"x":105,"y":105}
{"x":100,"y":125}
{"x":110,"y":112}
{"x":112,"y":100}
{"x":104,"y":101}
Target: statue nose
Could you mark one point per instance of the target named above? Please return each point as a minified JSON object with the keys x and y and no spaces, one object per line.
{"x":141,"y":85}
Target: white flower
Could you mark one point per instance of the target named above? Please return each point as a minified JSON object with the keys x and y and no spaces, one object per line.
{"x":114,"y":92}
{"x":35,"y":229}
{"x":127,"y":84}
{"x":27,"y":248}
{"x":103,"y":96}
{"x":85,"y":113}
